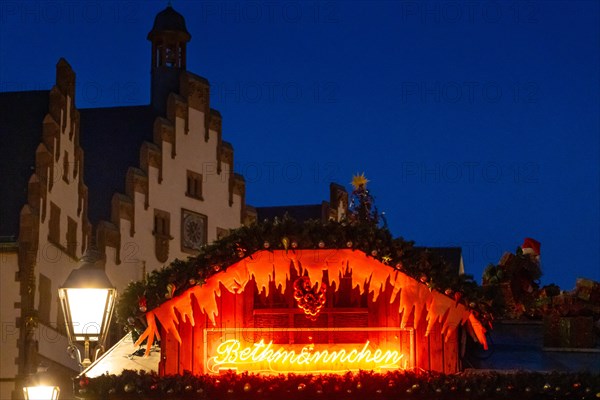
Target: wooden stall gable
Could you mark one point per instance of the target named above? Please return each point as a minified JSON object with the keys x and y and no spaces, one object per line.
{"x":238,"y":311}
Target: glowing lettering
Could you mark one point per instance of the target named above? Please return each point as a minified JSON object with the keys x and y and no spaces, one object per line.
{"x":263,"y":356}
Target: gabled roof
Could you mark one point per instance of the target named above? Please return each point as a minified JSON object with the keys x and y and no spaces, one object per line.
{"x":21,"y":116}
{"x":416,"y":300}
{"x":112,"y":138}
{"x":301,"y":213}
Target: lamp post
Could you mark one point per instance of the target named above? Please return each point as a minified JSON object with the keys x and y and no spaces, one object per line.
{"x":87,"y":299}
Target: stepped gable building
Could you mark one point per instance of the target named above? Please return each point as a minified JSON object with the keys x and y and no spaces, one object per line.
{"x":148,"y":183}
{"x":43,"y":225}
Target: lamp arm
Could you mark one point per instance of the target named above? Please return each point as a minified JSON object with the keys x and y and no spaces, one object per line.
{"x":74,"y":353}
{"x":99,"y":350}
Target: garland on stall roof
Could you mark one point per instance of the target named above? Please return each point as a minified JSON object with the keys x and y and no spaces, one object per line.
{"x":161,"y":285}
{"x":350,"y":386}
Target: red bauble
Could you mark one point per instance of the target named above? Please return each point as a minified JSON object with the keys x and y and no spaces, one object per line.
{"x":143,"y":304}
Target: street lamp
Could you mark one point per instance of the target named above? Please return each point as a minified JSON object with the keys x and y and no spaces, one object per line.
{"x":41,"y":392}
{"x":87,"y":299}
{"x":37,"y":387}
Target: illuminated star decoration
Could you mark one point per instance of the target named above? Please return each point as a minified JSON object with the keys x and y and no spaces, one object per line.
{"x":359,"y":180}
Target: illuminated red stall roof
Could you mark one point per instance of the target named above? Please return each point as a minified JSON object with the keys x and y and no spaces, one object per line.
{"x":367,"y":274}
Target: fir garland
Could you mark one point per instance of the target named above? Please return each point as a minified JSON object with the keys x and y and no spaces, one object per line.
{"x":361,"y":385}
{"x":161,"y":285}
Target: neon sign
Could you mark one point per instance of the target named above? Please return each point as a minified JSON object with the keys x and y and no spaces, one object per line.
{"x":231,"y":354}
{"x":308,"y":350}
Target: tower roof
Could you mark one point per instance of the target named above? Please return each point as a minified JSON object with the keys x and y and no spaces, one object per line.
{"x":169,"y":20}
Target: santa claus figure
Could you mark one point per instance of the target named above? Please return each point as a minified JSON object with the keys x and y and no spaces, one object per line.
{"x":528,"y":274}
{"x":531,"y":248}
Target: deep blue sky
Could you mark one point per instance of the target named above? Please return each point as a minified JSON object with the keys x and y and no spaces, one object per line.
{"x":477,"y":123}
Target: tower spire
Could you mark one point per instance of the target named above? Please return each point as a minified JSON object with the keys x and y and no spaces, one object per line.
{"x":169,"y":37}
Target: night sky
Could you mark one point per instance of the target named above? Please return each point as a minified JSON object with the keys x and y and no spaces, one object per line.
{"x":477,"y":123}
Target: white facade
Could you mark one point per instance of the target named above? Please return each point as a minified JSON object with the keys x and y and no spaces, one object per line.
{"x":166,"y":191}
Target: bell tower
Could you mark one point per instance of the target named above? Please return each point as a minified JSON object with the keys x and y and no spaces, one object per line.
{"x":169,"y":37}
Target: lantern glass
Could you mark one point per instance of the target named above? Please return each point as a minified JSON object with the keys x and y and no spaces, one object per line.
{"x":87,"y":299}
{"x":41,"y":392}
{"x":88,"y":310}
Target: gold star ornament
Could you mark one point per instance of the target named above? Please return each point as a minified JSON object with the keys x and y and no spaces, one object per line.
{"x":359,"y":180}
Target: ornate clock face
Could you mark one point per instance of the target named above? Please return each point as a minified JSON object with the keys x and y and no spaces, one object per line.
{"x":193,"y":230}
